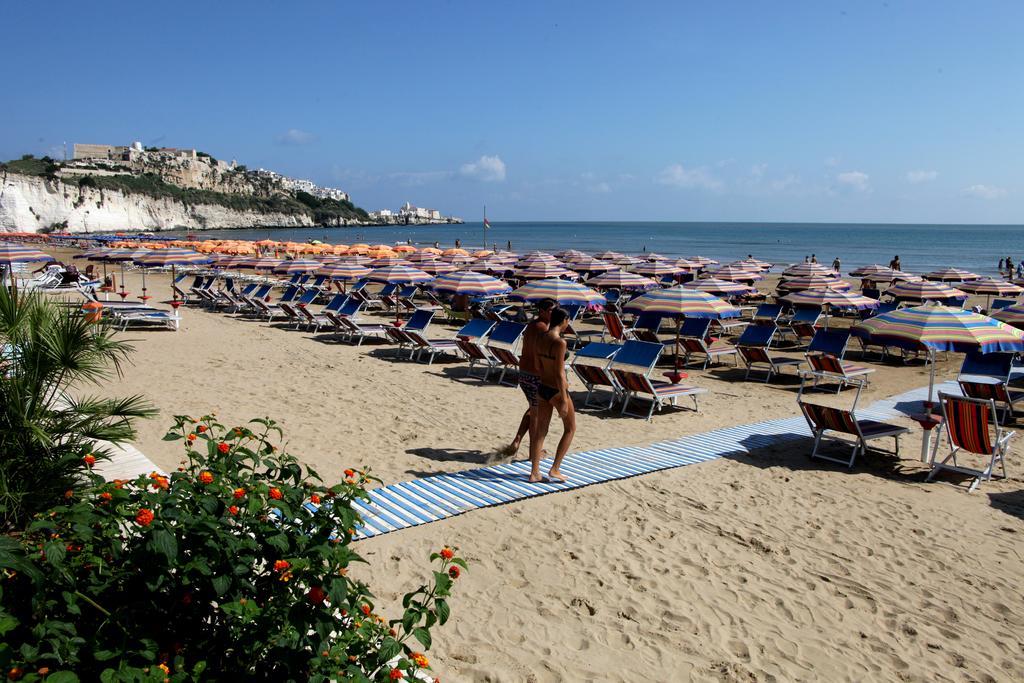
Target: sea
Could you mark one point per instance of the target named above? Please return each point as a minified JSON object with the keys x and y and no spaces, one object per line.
{"x":921,"y":248}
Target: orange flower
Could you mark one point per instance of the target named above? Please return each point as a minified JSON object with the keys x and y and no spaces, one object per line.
{"x":191,"y":438}
{"x":15,"y":674}
{"x":159,"y":481}
{"x":223,"y":447}
{"x":446,"y":553}
{"x":396,"y":675}
{"x":201,"y":429}
{"x":89,"y":459}
{"x":420,"y":660}
{"x":106,"y":496}
{"x":69,"y":494}
{"x":206,"y":477}
{"x":275,"y":493}
{"x":349,"y":473}
{"x":365,"y":609}
{"x":281,"y":565}
{"x":164,"y":668}
{"x":454,"y":571}
{"x":144,"y":517}
{"x":315,"y":499}
{"x":239,"y":493}
{"x":233,"y":509}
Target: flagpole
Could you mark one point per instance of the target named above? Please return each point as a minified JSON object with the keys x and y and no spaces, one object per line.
{"x":485,"y":226}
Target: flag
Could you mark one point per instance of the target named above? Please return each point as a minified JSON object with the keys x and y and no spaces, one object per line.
{"x":487,"y":223}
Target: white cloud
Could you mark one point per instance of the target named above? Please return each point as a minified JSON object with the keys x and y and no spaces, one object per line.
{"x":599,"y":188}
{"x":676,"y":175}
{"x":485,"y":169}
{"x":294,"y":136}
{"x":832,"y":161}
{"x":858,"y":180}
{"x":917,"y":177}
{"x":984,"y":191}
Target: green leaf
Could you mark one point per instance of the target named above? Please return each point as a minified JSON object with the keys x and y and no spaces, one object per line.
{"x":221,"y":584}
{"x":423,"y":635}
{"x":62,"y":677}
{"x":279,"y":541}
{"x":164,"y":542}
{"x":389,"y":649}
{"x":104,"y":655}
{"x":7,"y":623}
{"x":443,"y":611}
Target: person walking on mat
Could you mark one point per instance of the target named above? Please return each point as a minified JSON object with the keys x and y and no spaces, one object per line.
{"x":529,"y":373}
{"x":553,"y":395}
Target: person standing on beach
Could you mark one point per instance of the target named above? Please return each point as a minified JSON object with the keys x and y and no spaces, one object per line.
{"x":553,"y":395}
{"x":529,"y":373}
{"x":1009,"y":267}
{"x":814,"y":258}
{"x":895,"y":263}
{"x":836,"y":265}
{"x":1002,"y":263}
{"x":1020,"y":269}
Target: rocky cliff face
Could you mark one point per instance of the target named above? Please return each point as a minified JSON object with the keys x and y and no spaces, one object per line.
{"x":31,"y":204}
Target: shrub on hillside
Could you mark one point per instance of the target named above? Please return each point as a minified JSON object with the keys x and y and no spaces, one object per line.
{"x":235,"y":566}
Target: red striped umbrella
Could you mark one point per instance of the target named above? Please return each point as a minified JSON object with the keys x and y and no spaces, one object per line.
{"x":421,"y":257}
{"x":437,"y":267}
{"x":297,"y":267}
{"x":736,"y":274}
{"x":589,"y":264}
{"x":703,"y":260}
{"x":405,"y":275}
{"x":651,"y":256}
{"x":951,"y":275}
{"x":469,"y":283}
{"x":389,"y":261}
{"x":799,"y":284}
{"x":562,"y":291}
{"x":172,"y":257}
{"x":755,"y":263}
{"x":924,"y":291}
{"x":1011,"y":315}
{"x":459,"y":259}
{"x":720,"y":287}
{"x":346,"y":272}
{"x":544,"y":271}
{"x":608,"y":255}
{"x":990,"y":286}
{"x":538,"y":259}
{"x":804,"y":269}
{"x":657,"y":269}
{"x":626,"y":261}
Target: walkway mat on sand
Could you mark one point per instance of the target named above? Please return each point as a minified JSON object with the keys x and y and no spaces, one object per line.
{"x":429,"y":499}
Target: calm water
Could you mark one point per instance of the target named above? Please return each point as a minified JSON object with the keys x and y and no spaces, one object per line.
{"x":920,"y":247}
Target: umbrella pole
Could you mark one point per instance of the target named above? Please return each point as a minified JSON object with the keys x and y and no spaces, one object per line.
{"x":123,"y":293}
{"x":143,"y":297}
{"x":174,"y":292}
{"x":931,"y":380}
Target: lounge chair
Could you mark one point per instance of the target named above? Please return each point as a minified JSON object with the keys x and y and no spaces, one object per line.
{"x":167,"y":319}
{"x":753,"y":347}
{"x":823,"y":419}
{"x":767,"y":314}
{"x":693,"y":337}
{"x":502,"y":343}
{"x":430,"y":347}
{"x":991,"y":389}
{"x":468,"y":340}
{"x":803,"y":325}
{"x":828,"y":368}
{"x":646,"y":327}
{"x":613,"y":328}
{"x":592,"y":365}
{"x":971,"y":426}
{"x":320,"y":319}
{"x":999,"y":304}
{"x":632,"y":367}
{"x":833,"y":342}
{"x":992,"y":366}
{"x":353,"y":331}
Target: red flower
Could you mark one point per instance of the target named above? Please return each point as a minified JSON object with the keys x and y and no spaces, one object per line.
{"x":446,"y":553}
{"x":349,"y":473}
{"x":396,"y":675}
{"x":365,"y":609}
{"x":106,"y":496}
{"x":454,"y":571}
{"x":420,"y":660}
{"x":144,"y":517}
{"x":206,"y":477}
{"x":275,"y":493}
{"x":223,"y":447}
{"x":191,"y":437}
{"x":233,"y":509}
{"x":315,"y":499}
{"x":89,"y":459}
{"x":281,"y":565}
{"x":159,"y":481}
{"x":201,"y":429}
{"x":15,"y":674}
{"x":316,"y":595}
{"x":239,"y":493}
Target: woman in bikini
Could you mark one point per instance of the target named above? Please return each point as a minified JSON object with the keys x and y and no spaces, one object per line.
{"x":553,"y":395}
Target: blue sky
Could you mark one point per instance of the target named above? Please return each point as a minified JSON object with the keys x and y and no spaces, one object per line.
{"x":795,"y":111}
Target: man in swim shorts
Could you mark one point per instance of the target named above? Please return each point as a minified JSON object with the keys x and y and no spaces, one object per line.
{"x":529,"y":371}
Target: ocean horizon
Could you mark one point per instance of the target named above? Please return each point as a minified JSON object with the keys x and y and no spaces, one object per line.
{"x":920,"y":247}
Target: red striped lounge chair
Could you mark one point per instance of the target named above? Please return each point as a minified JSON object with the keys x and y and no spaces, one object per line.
{"x":431,"y":347}
{"x":971,"y":426}
{"x":994,"y":390}
{"x":712,"y":352}
{"x":591,"y":364}
{"x":401,"y":339}
{"x":753,"y":347}
{"x":827,"y":368}
{"x":469,"y":341}
{"x":503,"y":343}
{"x":823,"y":419}
{"x":631,"y":369}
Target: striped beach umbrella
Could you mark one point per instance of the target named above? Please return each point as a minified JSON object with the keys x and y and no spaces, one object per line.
{"x":925,"y":291}
{"x":570,"y":255}
{"x":259,"y":262}
{"x":491,"y":264}
{"x":621,"y":279}
{"x":718,"y":287}
{"x":755,"y":263}
{"x":873,"y":269}
{"x":702,"y":260}
{"x":436,"y":267}
{"x":458,"y":259}
{"x":680,"y":302}
{"x":297,"y":267}
{"x":736,"y":274}
{"x":469,"y":283}
{"x":990,"y":286}
{"x":626,"y":261}
{"x":11,"y":253}
{"x":654,"y":269}
{"x":544,"y":271}
{"x":588,"y":264}
{"x":386,"y":261}
{"x":799,"y":284}
{"x":951,"y":275}
{"x":404,"y":275}
{"x":538,"y":259}
{"x":651,"y":256}
{"x":355,"y":258}
{"x":346,"y":272}
{"x":608,"y":255}
{"x":934,"y":327}
{"x":422,"y":257}
{"x":172,"y":257}
{"x":1011,"y":315}
{"x":833,"y":298}
{"x":803,"y":269}
{"x":562,"y":291}
{"x":536,"y":253}
{"x":688,"y":266}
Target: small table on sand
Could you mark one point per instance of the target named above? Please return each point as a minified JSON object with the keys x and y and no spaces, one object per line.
{"x":928,"y":422}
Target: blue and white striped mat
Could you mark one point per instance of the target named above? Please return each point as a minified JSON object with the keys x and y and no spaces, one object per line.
{"x":429,"y":499}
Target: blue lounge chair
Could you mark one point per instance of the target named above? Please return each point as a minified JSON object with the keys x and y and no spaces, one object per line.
{"x":502,"y":343}
{"x":632,"y":367}
{"x":753,"y":347}
{"x":832,"y":342}
{"x":592,"y":365}
{"x":419,"y":321}
{"x":767,"y":314}
{"x":693,"y":337}
{"x":469,"y":341}
{"x":999,"y":304}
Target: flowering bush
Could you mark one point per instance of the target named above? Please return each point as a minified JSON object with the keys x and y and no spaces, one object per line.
{"x":236,"y":564}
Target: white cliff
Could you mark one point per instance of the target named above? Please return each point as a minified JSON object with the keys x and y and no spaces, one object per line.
{"x":31,"y":204}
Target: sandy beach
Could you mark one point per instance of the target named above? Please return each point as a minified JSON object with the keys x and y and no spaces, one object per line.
{"x":769,"y":567}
